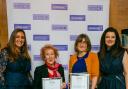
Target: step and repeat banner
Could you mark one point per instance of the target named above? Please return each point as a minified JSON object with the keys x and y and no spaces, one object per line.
{"x":58,"y":22}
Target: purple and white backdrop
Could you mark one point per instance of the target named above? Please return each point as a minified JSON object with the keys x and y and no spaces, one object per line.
{"x":58,"y":22}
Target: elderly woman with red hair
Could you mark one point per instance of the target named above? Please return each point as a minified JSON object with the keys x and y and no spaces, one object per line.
{"x":50,"y":68}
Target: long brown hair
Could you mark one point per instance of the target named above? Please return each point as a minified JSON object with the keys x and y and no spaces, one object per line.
{"x":12,"y":51}
{"x":116,"y":49}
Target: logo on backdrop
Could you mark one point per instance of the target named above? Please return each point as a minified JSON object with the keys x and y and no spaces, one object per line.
{"x":62,"y":47}
{"x":59,"y":6}
{"x":77,"y":18}
{"x":23,"y":26}
{"x":41,"y":37}
{"x":37,"y":57}
{"x":95,"y":27}
{"x":73,"y":37}
{"x":21,"y":5}
{"x":40,"y":16}
{"x":95,"y":47}
{"x":95,"y":7}
{"x":59,"y":27}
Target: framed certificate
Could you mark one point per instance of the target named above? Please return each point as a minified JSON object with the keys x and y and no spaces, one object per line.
{"x":79,"y":81}
{"x":51,"y":83}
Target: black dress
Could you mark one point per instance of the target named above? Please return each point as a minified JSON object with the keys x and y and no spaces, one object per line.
{"x":112,"y":72}
{"x":16,"y":75}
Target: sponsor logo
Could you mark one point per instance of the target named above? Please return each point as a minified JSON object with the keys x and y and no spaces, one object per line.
{"x":95,"y":47}
{"x":95,"y":7}
{"x":21,"y":5}
{"x":40,"y":17}
{"x":95,"y":27}
{"x":37,"y":57}
{"x":23,"y":26}
{"x":41,"y":37}
{"x":59,"y":6}
{"x":73,"y":37}
{"x":59,"y":27}
{"x":65,"y":67}
{"x":61,"y":47}
{"x":77,"y":18}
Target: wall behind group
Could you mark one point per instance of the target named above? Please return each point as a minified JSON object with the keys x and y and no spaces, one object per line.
{"x":58,"y":22}
{"x":119,"y":14}
{"x":3,"y":24}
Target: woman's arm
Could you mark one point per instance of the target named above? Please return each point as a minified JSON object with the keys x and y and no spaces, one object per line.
{"x":125,"y":65}
{"x":95,"y":70}
{"x":94,"y":82}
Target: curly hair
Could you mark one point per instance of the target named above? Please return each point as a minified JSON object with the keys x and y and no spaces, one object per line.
{"x":48,"y":46}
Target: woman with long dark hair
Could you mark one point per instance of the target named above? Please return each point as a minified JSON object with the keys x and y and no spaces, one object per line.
{"x":113,"y":61}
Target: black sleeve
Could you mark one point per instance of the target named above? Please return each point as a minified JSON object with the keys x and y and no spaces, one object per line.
{"x":61,"y":71}
{"x":37,"y":79}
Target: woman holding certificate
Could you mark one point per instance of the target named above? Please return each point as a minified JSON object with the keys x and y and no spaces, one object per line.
{"x":84,"y":60}
{"x":113,"y":61}
{"x":50,"y":68}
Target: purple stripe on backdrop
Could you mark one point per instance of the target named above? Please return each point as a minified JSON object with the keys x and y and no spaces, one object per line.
{"x":65,"y":67}
{"x":59,"y":6}
{"x":95,"y":7}
{"x":95,"y":28}
{"x":59,"y":27}
{"x":40,"y":16}
{"x":21,"y":5}
{"x":41,"y":37}
{"x":73,"y":37}
{"x":37,"y":57}
{"x":23,"y":26}
{"x":29,"y":47}
{"x":77,"y":17}
{"x":62,"y":47}
{"x":95,"y":47}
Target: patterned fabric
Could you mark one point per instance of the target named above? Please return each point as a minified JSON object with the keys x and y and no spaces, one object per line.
{"x":54,"y":70}
{"x":13,"y":74}
{"x":3,"y":63}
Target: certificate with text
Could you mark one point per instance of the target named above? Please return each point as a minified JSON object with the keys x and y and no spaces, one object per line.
{"x":79,"y":81}
{"x":51,"y":83}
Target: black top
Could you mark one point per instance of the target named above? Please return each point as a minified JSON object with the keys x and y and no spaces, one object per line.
{"x":124,"y":31}
{"x":112,"y":72}
{"x":15,"y":73}
{"x":42,"y":72}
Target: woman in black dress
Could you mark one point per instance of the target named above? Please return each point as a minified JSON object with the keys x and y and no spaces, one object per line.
{"x":113,"y":61}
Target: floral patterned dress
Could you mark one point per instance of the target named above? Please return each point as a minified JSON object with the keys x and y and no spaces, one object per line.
{"x":3,"y":63}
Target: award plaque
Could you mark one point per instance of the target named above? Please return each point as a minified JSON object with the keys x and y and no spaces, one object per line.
{"x":79,"y":81}
{"x":51,"y":83}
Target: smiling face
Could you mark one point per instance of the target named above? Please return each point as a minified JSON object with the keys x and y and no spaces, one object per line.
{"x":50,"y":56}
{"x":82,"y":46}
{"x":19,"y":40}
{"x":110,"y":39}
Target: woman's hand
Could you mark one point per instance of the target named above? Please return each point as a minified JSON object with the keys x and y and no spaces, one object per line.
{"x":63,"y":85}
